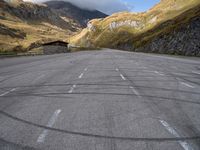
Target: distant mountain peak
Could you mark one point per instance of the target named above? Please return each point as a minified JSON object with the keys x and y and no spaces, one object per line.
{"x":79,"y":14}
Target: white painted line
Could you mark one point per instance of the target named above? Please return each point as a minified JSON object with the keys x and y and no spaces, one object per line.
{"x":188,"y":85}
{"x":117,"y":69}
{"x":122,"y":77}
{"x":51,"y":122}
{"x":159,"y":73}
{"x":72,"y":89}
{"x":12,"y":90}
{"x":184,"y":144}
{"x":38,"y":78}
{"x":180,"y":74}
{"x":43,"y":75}
{"x":134,"y":91}
{"x":195,"y":72}
{"x":80,"y":76}
{"x":156,"y":72}
{"x":85,"y":69}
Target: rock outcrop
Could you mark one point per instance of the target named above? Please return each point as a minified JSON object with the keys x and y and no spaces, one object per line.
{"x":127,"y":23}
{"x":184,"y":41}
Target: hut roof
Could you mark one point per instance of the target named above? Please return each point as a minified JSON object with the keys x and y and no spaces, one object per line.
{"x":56,"y":43}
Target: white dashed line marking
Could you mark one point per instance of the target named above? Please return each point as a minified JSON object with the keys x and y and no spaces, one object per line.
{"x":80,"y":76}
{"x":195,"y":72}
{"x":159,"y":73}
{"x":180,"y":74}
{"x":188,"y":85}
{"x":38,"y":78}
{"x":43,"y":75}
{"x":72,"y":89}
{"x":122,"y":77}
{"x":134,"y":91}
{"x":117,"y":69}
{"x":51,"y":122}
{"x":12,"y":90}
{"x":184,"y":144}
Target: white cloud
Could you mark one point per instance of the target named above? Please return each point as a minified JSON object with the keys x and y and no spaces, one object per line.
{"x":106,"y":6}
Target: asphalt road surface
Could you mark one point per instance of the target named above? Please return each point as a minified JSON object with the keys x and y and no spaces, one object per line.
{"x":100,"y":100}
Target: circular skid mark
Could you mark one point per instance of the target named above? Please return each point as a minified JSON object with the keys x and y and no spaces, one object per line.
{"x":103,"y":84}
{"x":100,"y":136}
{"x":155,"y":98}
{"x":13,"y":146}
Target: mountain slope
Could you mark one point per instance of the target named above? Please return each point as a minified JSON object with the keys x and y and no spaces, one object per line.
{"x":82,"y":16}
{"x":24,"y":23}
{"x":139,"y":31}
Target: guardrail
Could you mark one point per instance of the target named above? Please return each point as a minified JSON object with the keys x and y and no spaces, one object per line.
{"x":29,"y":54}
{"x":3,"y":55}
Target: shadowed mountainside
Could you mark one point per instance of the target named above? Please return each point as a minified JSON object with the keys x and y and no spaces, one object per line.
{"x":82,"y":16}
{"x":24,"y":23}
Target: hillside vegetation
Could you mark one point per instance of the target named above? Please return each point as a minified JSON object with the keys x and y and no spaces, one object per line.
{"x":23,"y":23}
{"x":131,"y":31}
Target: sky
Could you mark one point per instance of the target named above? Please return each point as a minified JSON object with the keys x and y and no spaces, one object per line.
{"x":140,"y":5}
{"x":111,"y":6}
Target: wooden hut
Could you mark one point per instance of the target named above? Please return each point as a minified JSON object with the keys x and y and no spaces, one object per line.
{"x":55,"y":47}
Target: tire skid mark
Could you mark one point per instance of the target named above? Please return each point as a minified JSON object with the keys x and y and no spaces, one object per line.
{"x":100,"y":136}
{"x":88,"y":84}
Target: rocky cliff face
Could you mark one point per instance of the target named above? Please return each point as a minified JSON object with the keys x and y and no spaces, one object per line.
{"x":184,"y":41}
